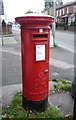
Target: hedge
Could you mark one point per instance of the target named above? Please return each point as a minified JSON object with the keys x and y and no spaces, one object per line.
{"x":73,"y":23}
{"x":60,"y":24}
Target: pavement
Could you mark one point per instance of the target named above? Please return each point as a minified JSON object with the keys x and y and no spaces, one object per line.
{"x":61,"y":99}
{"x":61,"y":66}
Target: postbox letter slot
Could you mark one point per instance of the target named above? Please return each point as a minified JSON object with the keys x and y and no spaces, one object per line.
{"x":40,"y":36}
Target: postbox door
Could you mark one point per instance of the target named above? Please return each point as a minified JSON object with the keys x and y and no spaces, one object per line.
{"x":35,"y":65}
{"x":41,"y":69}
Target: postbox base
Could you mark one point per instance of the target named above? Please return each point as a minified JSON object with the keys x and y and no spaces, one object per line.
{"x":38,"y":106}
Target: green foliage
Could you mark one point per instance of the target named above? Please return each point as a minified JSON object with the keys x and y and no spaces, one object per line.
{"x":65,"y":81}
{"x":0,"y":113}
{"x":60,"y":24}
{"x":51,"y":112}
{"x":63,"y":24}
{"x":29,"y":11}
{"x":55,"y":80}
{"x":16,"y":107}
{"x":55,"y":45}
{"x":62,"y":80}
{"x":73,"y":23}
{"x":57,"y":86}
{"x":63,"y":87}
{"x":66,"y":87}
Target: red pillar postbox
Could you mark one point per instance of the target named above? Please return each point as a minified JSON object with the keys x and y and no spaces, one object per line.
{"x":35,"y":35}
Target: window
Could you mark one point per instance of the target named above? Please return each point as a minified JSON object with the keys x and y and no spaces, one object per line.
{"x":63,"y":11}
{"x":67,"y":10}
{"x":74,"y":10}
{"x":60,"y":12}
{"x":57,"y":12}
{"x":48,"y":4}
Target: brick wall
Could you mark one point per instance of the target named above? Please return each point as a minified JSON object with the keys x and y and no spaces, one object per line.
{"x":70,"y":28}
{"x":70,"y":10}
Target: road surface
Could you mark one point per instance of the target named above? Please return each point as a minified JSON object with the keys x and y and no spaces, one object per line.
{"x":65,"y":39}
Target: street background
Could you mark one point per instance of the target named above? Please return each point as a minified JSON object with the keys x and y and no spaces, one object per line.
{"x":61,"y":66}
{"x":61,"y":58}
{"x":61,"y":62}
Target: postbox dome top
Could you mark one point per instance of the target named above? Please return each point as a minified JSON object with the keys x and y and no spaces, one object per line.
{"x":32,"y":19}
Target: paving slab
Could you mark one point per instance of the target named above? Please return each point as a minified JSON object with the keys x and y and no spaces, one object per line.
{"x":9,"y":40}
{"x":63,"y":101}
{"x":61,"y":64}
{"x":8,"y":93}
{"x":0,"y":41}
{"x":51,"y":85}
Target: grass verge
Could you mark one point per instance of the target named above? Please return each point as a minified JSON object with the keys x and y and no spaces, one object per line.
{"x":15,"y":110}
{"x":62,"y":80}
{"x":67,"y":85}
{"x":63,"y":87}
{"x":55,"y":45}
